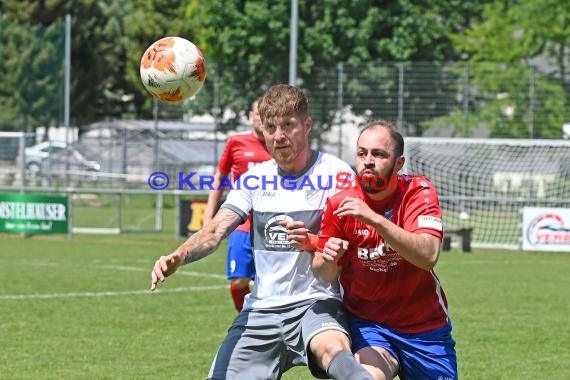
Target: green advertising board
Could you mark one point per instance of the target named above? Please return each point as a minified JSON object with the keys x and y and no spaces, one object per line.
{"x":33,"y":214}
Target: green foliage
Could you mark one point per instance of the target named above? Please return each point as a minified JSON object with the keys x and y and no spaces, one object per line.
{"x":31,"y":59}
{"x":248,"y":42}
{"x":246,"y":45}
{"x":515,"y":32}
{"x":98,"y":52}
{"x":369,"y":37}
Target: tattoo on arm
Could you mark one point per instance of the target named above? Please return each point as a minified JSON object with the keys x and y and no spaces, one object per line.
{"x":208,"y":239}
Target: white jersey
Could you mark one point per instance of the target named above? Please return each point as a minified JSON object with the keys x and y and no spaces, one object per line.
{"x":283,"y":273}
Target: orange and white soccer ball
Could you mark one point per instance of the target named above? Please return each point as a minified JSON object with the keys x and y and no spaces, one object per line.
{"x":173,"y":69}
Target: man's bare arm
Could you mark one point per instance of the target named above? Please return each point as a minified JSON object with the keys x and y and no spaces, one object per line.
{"x":208,"y":239}
{"x":325,"y":263}
{"x":421,"y":250}
{"x":198,"y":246}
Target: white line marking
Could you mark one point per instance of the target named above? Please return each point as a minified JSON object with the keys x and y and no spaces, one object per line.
{"x":181,"y":272}
{"x":109,"y":294}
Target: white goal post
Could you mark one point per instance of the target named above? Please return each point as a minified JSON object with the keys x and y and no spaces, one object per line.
{"x":483,"y":183}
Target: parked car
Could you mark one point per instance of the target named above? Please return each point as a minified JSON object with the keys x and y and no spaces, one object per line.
{"x":35,"y":155}
{"x":50,"y":157}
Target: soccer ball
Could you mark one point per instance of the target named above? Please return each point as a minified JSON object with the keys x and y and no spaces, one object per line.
{"x":172,"y":69}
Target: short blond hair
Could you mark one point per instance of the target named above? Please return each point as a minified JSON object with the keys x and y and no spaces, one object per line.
{"x":283,"y":100}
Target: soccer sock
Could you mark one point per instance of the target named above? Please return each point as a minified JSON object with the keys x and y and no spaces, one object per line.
{"x":238,"y":295}
{"x":344,"y":366}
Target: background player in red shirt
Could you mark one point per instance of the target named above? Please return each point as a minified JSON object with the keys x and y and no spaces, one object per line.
{"x":242,"y":151}
{"x":383,"y":239}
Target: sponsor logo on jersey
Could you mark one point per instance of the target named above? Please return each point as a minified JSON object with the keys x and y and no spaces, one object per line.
{"x":374,"y":253}
{"x":380,"y":258}
{"x":362,"y":232}
{"x":275,"y":233}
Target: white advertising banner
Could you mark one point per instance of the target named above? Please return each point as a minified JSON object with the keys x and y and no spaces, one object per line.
{"x":545,"y":229}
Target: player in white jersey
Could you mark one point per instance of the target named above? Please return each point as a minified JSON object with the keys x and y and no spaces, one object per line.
{"x":290,"y":318}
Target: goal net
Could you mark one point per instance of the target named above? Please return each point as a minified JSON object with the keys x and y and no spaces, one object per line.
{"x":483,"y":183}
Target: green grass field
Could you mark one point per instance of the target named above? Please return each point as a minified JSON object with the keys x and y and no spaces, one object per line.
{"x":80,"y":309}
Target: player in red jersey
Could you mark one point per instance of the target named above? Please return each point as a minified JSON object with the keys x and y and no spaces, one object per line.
{"x":242,"y":152}
{"x":383,"y":242}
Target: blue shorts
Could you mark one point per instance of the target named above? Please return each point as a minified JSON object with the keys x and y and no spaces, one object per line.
{"x":428,"y":356}
{"x":240,"y":256}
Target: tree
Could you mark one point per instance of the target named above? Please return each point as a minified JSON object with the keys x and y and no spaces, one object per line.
{"x":246,"y":49}
{"x":98,"y":51}
{"x":32,"y":75}
{"x":249,"y":43}
{"x":519,"y":34}
{"x":246,"y":44}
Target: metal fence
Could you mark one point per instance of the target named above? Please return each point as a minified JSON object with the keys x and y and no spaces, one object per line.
{"x":467,"y":99}
{"x":482,"y":99}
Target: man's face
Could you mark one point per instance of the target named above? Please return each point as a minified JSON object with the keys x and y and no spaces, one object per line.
{"x":286,"y":137}
{"x":256,"y":120}
{"x":375,"y":157}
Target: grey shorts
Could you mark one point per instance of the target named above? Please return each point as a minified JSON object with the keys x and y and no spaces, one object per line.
{"x":263,"y":344}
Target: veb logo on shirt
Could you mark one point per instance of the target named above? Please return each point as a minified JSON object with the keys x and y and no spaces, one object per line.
{"x":275,"y":233}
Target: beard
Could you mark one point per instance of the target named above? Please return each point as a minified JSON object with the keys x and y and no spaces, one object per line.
{"x":283,"y":156}
{"x":378,"y":181}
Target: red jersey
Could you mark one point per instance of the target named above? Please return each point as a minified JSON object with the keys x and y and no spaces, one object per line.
{"x":378,"y":284}
{"x":243,"y":150}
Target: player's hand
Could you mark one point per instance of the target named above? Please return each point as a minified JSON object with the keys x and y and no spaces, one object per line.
{"x":334,"y":249}
{"x":298,"y":235}
{"x":164,"y":267}
{"x":357,"y":208}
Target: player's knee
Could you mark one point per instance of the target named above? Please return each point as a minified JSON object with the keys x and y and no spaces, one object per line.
{"x":379,"y":362}
{"x":241,"y":283}
{"x":333,"y":347}
{"x":327,"y":344}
